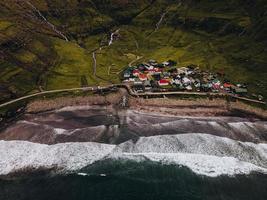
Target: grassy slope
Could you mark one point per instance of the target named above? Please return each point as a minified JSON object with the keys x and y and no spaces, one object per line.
{"x":205,"y":34}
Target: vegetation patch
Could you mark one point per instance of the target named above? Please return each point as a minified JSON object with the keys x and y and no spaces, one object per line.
{"x":214,"y":35}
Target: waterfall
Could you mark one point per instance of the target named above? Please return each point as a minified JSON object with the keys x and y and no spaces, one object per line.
{"x":112,"y":37}
{"x":47,"y":22}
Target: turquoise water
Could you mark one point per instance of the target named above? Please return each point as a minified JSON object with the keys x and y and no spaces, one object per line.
{"x":129,"y":180}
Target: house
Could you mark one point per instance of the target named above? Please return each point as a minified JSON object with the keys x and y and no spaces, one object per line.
{"x":149,"y":67}
{"x":227,"y":85}
{"x":182,"y":70}
{"x":163,"y":82}
{"x":176,"y":81}
{"x":153,"y":71}
{"x":147,"y":85}
{"x":190,"y":72}
{"x":216,"y":81}
{"x":216,"y":85}
{"x":178,"y":77}
{"x":240,"y":85}
{"x":142,"y":77}
{"x":240,"y":91}
{"x":126,"y":74}
{"x":197,"y":83}
{"x":161,"y":66}
{"x":141,"y":67}
{"x":189,"y":88}
{"x":186,"y":81}
{"x":206,"y":87}
{"x":136,"y":72}
{"x":132,"y":79}
{"x":166,"y":74}
{"x":153,"y":62}
{"x":138,"y":87}
{"x":157,"y":70}
{"x":166,"y":63}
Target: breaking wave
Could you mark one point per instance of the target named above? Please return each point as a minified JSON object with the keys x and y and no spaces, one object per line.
{"x":203,"y":154}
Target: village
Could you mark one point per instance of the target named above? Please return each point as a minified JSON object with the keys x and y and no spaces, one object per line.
{"x":152,"y":76}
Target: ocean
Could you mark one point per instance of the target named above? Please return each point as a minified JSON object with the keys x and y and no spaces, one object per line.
{"x":95,"y":154}
{"x":115,"y":180}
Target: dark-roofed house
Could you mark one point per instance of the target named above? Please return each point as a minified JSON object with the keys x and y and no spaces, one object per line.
{"x":147,"y":85}
{"x":127,"y":74}
{"x":240,"y":91}
{"x":138,"y":87}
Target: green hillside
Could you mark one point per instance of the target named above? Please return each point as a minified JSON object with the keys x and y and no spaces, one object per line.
{"x":49,"y":44}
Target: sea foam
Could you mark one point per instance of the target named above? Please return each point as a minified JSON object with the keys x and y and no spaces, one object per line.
{"x":203,"y":154}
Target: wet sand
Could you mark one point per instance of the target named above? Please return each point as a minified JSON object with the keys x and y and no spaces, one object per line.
{"x":108,"y":124}
{"x":171,"y":105}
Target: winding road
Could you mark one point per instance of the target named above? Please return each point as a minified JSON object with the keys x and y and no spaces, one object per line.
{"x":132,"y":93}
{"x":46,"y":92}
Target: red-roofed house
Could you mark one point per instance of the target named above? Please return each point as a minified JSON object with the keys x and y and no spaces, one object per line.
{"x":216,"y":86}
{"x":136,"y":72}
{"x":150,"y":71}
{"x":227,"y":85}
{"x":163,"y":82}
{"x":142,"y":77}
{"x":158,"y":70}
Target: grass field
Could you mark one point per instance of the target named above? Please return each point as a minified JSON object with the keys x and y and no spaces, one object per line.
{"x":215,"y":35}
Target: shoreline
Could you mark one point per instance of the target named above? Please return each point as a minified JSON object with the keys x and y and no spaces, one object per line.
{"x":114,"y":125}
{"x":107,"y":119}
{"x":202,"y":107}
